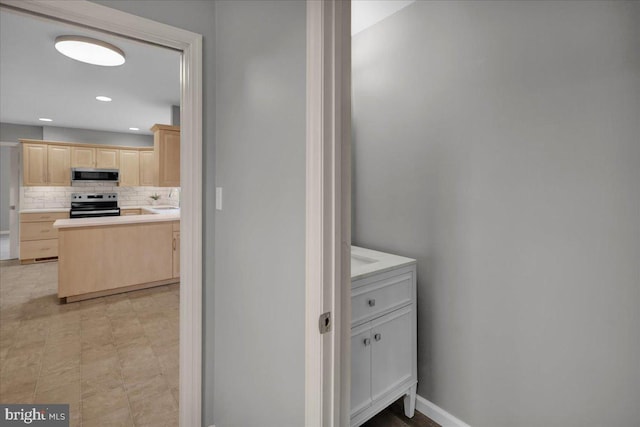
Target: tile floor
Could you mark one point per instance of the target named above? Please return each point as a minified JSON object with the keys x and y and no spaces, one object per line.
{"x":113,"y":359}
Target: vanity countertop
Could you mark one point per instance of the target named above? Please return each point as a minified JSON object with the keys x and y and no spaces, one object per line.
{"x":367,"y":262}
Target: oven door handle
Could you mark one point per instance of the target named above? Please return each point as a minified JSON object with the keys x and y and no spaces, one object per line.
{"x":103,"y":211}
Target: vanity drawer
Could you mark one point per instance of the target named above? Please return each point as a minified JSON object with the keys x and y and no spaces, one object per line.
{"x":377,"y":298}
{"x":38,"y":231}
{"x":34,"y":249}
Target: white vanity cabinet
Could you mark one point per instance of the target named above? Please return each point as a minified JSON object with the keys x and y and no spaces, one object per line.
{"x":383,"y":333}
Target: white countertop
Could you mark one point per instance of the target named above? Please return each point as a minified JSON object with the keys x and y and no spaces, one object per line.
{"x":44,"y":210}
{"x":367,"y":262}
{"x":115,"y":220}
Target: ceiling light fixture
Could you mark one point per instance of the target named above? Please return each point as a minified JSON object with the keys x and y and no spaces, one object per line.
{"x":103,"y":98}
{"x":44,"y":119}
{"x":91,"y":51}
{"x":134,"y":128}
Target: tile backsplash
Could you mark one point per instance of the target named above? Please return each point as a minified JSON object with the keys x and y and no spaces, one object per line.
{"x":60,"y":197}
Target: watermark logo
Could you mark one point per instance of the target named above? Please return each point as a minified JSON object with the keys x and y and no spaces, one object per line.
{"x":34,"y":415}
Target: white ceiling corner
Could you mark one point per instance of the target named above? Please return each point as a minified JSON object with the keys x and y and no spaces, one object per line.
{"x":365,"y":13}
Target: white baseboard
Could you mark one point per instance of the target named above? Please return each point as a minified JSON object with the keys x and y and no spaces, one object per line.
{"x":438,"y":414}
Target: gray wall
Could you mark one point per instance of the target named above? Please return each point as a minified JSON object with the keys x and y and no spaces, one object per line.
{"x":10,"y":132}
{"x":260,"y":163}
{"x":88,"y":136}
{"x":498,"y":143}
{"x":196,"y":16}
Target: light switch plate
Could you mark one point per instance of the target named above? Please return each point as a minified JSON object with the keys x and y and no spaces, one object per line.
{"x":218,"y":198}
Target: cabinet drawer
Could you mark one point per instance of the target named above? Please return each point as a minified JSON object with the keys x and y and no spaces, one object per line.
{"x":43,"y":216}
{"x":39,"y":249}
{"x":37,"y":231}
{"x":381,"y":297}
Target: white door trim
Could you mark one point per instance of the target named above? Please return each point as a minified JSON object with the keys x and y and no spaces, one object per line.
{"x":124,"y":24}
{"x":328,"y":207}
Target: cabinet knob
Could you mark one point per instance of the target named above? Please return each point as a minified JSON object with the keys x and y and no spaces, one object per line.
{"x":377,"y":337}
{"x":367,"y":341}
{"x":372,"y":302}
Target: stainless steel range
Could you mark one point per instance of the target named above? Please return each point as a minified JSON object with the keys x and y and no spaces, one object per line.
{"x":85,"y":205}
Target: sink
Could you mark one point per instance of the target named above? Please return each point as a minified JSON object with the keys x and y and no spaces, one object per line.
{"x":360,"y":261}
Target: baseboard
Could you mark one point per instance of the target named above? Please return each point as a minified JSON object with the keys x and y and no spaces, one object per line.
{"x":438,"y":414}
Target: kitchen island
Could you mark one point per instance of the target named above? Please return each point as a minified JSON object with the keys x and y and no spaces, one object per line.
{"x":108,"y":255}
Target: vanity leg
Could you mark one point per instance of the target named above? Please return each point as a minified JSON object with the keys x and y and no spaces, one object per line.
{"x":410,"y":402}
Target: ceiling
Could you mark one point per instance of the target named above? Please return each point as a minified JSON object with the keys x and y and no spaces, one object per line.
{"x":365,"y":13}
{"x":37,"y":81}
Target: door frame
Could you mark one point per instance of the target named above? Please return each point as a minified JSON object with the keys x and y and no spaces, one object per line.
{"x":328,"y":213}
{"x":95,"y":16}
{"x":14,"y":200}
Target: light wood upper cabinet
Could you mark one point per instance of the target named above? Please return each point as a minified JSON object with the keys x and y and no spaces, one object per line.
{"x":129,"y":168}
{"x":88,"y":157}
{"x":83,"y":157}
{"x":166,"y":143}
{"x":146,"y":167}
{"x":45,"y":164}
{"x":59,"y":165}
{"x":34,"y":164}
{"x":107,"y":158}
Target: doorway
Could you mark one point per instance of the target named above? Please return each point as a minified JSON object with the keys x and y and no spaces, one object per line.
{"x":90,"y":15}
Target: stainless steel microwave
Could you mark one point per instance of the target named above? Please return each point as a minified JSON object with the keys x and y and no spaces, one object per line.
{"x":94,"y":175}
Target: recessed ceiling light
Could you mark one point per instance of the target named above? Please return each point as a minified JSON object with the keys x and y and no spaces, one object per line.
{"x":134,"y":128}
{"x":91,"y":51}
{"x":103,"y":98}
{"x":44,"y":119}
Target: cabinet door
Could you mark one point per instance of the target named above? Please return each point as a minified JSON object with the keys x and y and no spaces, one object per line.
{"x":34,"y":164}
{"x":107,"y":158}
{"x":169,"y":158}
{"x":360,"y":368}
{"x":146,"y":168}
{"x":391,"y":351}
{"x":83,"y":157}
{"x":59,"y":165}
{"x":129,"y":168}
{"x":176,"y":254}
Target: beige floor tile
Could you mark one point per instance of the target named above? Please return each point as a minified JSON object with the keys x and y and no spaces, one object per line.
{"x":101,"y":354}
{"x":117,"y":418}
{"x":102,"y":404}
{"x":153,"y":409}
{"x":59,"y":378}
{"x":69,"y":393}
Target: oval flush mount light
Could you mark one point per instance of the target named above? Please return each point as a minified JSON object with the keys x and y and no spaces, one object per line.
{"x":44,"y":119}
{"x":134,"y":128}
{"x":91,"y":51}
{"x":103,"y":98}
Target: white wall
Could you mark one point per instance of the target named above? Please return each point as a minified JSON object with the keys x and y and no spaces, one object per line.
{"x":499,"y":144}
{"x":260,"y":163}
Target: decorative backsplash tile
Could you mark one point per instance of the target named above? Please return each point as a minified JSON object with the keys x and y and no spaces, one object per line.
{"x":60,"y":197}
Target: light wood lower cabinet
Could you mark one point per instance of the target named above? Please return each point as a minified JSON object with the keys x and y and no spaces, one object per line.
{"x":102,"y":260}
{"x":176,"y":254}
{"x":383,"y":343}
{"x":38,"y":238}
